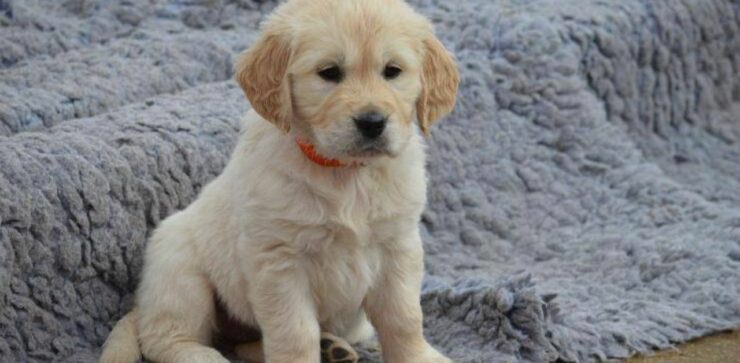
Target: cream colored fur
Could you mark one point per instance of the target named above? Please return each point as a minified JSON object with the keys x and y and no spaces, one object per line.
{"x":291,"y":247}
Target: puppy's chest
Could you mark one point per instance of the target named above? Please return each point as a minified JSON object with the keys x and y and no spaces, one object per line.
{"x":341,"y":276}
{"x":362,"y":213}
{"x":346,"y":258}
{"x":343,"y":240}
{"x":371,"y":201}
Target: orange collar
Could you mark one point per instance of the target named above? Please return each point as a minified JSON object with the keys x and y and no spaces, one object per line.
{"x":310,"y":151}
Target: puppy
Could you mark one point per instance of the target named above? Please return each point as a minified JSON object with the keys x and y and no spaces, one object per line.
{"x":313,"y":225}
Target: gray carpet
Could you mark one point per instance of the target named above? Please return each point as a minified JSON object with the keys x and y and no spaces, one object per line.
{"x":584,"y":196}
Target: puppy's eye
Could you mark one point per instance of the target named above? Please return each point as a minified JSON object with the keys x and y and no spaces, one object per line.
{"x":391,"y":72}
{"x":331,"y":74}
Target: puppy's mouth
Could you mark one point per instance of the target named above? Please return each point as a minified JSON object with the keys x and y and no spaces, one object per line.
{"x":370,"y":148}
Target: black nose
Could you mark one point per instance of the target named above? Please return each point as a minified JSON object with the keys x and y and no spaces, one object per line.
{"x":370,"y":124}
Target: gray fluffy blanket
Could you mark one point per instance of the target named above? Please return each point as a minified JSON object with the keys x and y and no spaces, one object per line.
{"x":584,"y":200}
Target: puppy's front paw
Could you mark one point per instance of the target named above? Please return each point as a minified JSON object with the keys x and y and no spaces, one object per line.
{"x":336,"y":350}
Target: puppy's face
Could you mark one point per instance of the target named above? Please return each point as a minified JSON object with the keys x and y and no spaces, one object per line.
{"x":355,"y":82}
{"x":350,"y":75}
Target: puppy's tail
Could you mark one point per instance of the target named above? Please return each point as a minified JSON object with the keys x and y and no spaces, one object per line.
{"x":122,"y":345}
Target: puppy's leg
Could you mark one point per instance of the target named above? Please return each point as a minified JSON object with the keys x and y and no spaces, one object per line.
{"x":284,"y":306}
{"x":178,"y":328}
{"x":175,"y":304}
{"x":393,"y":305}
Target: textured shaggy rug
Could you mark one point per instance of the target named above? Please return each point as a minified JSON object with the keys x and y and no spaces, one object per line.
{"x":584,"y":198}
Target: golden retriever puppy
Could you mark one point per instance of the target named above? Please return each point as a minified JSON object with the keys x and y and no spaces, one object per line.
{"x":313,"y":225}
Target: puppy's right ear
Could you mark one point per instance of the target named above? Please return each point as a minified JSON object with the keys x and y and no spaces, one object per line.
{"x":261,"y":71}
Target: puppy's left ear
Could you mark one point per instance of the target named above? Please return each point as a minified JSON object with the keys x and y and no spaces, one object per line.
{"x":261,"y":71}
{"x":439,"y":80}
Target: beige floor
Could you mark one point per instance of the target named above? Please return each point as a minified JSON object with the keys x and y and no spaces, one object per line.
{"x":719,"y":348}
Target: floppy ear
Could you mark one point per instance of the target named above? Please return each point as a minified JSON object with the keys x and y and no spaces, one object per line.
{"x":261,"y":71}
{"x":439,"y":83}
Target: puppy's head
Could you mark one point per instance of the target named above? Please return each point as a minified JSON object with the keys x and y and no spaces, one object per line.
{"x":349,"y":75}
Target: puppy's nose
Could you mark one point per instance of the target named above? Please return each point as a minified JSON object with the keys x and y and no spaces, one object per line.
{"x":370,"y":124}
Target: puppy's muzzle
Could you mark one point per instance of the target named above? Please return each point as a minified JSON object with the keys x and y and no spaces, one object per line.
{"x":371,"y":124}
